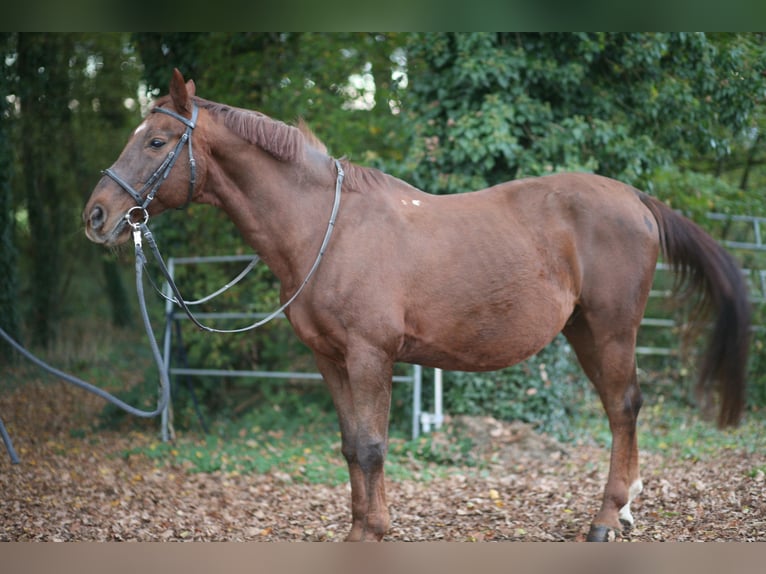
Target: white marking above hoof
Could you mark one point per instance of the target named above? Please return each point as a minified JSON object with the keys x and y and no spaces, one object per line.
{"x":633,"y":492}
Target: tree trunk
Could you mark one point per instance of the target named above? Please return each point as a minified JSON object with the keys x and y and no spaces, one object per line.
{"x":9,"y":316}
{"x":749,"y":162}
{"x":122,"y":315}
{"x":45,"y":117}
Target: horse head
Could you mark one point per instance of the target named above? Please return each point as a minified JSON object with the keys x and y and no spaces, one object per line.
{"x":143,"y":179}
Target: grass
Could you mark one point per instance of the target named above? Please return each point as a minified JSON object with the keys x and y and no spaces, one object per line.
{"x":680,"y":431}
{"x":105,"y":357}
{"x":302,"y":443}
{"x":300,"y":446}
{"x":670,"y":426}
{"x":303,"y":457}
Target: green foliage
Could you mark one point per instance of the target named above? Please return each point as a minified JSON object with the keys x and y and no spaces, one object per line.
{"x":697,"y":193}
{"x":757,"y":362}
{"x":67,"y":95}
{"x":485,"y":108}
{"x":340,"y":84}
{"x":104,"y":71}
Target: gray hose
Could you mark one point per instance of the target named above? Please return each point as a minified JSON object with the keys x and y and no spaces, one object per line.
{"x":164,"y":382}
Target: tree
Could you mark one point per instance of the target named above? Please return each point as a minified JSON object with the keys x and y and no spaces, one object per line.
{"x":104,"y":74}
{"x":69,"y":94}
{"x":45,"y":148}
{"x":485,"y":108}
{"x":9,"y":319}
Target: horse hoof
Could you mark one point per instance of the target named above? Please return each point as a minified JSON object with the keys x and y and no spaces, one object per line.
{"x":601,"y":534}
{"x":627,"y":525}
{"x":355,"y":535}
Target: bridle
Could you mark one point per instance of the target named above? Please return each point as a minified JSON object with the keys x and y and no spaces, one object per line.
{"x":138,"y":216}
{"x":148,"y":192}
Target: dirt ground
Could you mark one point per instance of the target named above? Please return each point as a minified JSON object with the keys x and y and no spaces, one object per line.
{"x":71,"y":487}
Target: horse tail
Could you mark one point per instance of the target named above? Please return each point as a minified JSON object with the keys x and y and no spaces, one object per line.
{"x":702,"y":265}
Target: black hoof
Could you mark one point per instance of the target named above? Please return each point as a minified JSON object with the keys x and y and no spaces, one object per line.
{"x":626,"y":526}
{"x":601,"y":534}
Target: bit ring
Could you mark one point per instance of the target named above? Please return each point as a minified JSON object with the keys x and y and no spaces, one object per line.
{"x":137,"y":216}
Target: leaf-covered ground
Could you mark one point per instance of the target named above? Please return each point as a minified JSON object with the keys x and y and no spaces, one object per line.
{"x":75,"y":485}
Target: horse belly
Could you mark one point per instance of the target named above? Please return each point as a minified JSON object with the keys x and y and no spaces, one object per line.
{"x":486,"y":340}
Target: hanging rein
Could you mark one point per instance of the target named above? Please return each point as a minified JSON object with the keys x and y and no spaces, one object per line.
{"x":136,"y":218}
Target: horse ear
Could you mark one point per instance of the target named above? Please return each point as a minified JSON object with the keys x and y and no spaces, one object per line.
{"x":191,"y":88}
{"x":179,"y":91}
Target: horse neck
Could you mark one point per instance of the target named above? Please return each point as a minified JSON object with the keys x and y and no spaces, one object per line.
{"x":280,"y":208}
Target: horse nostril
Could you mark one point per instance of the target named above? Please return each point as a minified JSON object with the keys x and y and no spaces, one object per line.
{"x":97,"y":218}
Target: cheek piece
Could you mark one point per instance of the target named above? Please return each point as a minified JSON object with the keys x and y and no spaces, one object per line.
{"x":147,"y":193}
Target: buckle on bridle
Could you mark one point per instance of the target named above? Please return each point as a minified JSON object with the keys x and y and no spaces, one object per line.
{"x":135,"y":218}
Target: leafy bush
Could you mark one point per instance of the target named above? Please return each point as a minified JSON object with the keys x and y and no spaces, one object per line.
{"x":696,"y":194}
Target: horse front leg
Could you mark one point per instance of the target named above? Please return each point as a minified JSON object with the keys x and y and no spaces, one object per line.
{"x":362,"y":401}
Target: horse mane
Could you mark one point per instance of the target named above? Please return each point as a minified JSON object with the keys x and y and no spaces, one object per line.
{"x":310,"y":136}
{"x":285,"y":142}
{"x":360,"y":178}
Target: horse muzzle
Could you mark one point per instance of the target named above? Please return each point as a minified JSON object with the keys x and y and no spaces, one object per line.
{"x":103,"y":228}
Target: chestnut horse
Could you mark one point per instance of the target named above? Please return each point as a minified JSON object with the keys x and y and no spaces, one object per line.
{"x":475,"y":281}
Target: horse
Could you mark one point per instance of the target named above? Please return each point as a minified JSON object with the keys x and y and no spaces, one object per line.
{"x":475,"y":281}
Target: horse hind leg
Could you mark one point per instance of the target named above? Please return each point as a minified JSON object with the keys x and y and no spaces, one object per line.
{"x":607,"y":356}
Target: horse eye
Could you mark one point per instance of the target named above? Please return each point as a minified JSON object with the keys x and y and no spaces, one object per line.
{"x":156,"y":143}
